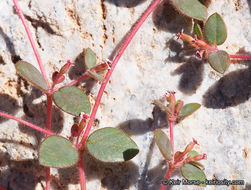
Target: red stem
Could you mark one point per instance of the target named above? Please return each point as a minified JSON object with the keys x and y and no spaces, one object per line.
{"x":81,"y":172}
{"x":27,"y":124}
{"x":48,"y":182}
{"x":31,"y":41}
{"x":171,"y":136}
{"x":113,"y":65}
{"x":170,"y":170}
{"x":84,"y":76}
{"x":240,"y":56}
{"x":49,"y":112}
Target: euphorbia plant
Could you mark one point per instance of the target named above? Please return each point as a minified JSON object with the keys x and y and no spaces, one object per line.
{"x":206,"y":41}
{"x":107,"y":144}
{"x":186,"y":161}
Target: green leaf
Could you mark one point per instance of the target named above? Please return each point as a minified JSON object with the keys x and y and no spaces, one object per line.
{"x":90,"y":58}
{"x":30,"y":73}
{"x":166,"y":109}
{"x":96,"y":76}
{"x":188,"y":109}
{"x":192,"y":172}
{"x":219,"y":61}
{"x":111,"y":145}
{"x":215,"y":30}
{"x":56,"y":151}
{"x":192,"y":154}
{"x":72,"y":100}
{"x":163,"y":143}
{"x":197,"y":31}
{"x":191,"y":8}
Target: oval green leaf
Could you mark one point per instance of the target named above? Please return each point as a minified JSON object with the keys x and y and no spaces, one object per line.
{"x":96,"y":76}
{"x":219,"y":61}
{"x":191,"y":8}
{"x":163,"y":143}
{"x":188,"y":109}
{"x":215,"y":30}
{"x":192,"y":172}
{"x":111,"y":145}
{"x":192,"y":154}
{"x":197,"y":31}
{"x":57,"y":152}
{"x":90,"y":58}
{"x":72,"y":100}
{"x":31,"y":74}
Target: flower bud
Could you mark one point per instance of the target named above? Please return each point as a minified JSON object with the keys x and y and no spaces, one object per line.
{"x":66,"y":67}
{"x":75,"y":130}
{"x":190,"y":146}
{"x":178,"y":106}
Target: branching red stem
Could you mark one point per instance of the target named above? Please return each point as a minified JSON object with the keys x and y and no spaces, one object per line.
{"x":81,"y":172}
{"x":20,"y":13}
{"x":27,"y":124}
{"x":240,"y":56}
{"x":113,"y":65}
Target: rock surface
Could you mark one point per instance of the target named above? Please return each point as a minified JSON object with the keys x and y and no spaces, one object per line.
{"x":62,"y":29}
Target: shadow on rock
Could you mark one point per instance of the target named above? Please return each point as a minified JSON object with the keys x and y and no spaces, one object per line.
{"x":36,"y":114}
{"x":113,"y":176}
{"x":191,"y":75}
{"x":27,"y":174}
{"x":231,"y":90}
{"x":20,"y":174}
{"x":151,"y":178}
{"x":191,"y":69}
{"x":67,"y":176}
{"x":139,"y":127}
{"x":249,"y":4}
{"x":8,"y":105}
{"x":126,"y":3}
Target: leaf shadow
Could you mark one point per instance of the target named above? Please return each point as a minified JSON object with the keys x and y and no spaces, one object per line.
{"x":27,"y":174}
{"x":139,"y":127}
{"x":166,"y":18}
{"x":191,"y":75}
{"x":8,"y":105}
{"x":126,"y":3}
{"x":231,"y":90}
{"x":8,"y":42}
{"x":20,"y":175}
{"x":113,"y":176}
{"x":36,"y":113}
{"x":206,"y":2}
{"x":191,"y":69}
{"x":78,"y":70}
{"x":10,"y":46}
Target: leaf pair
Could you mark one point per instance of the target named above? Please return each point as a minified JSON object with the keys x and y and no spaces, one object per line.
{"x":70,"y":99}
{"x":106,"y":144}
{"x":215,"y":34}
{"x":189,"y":171}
